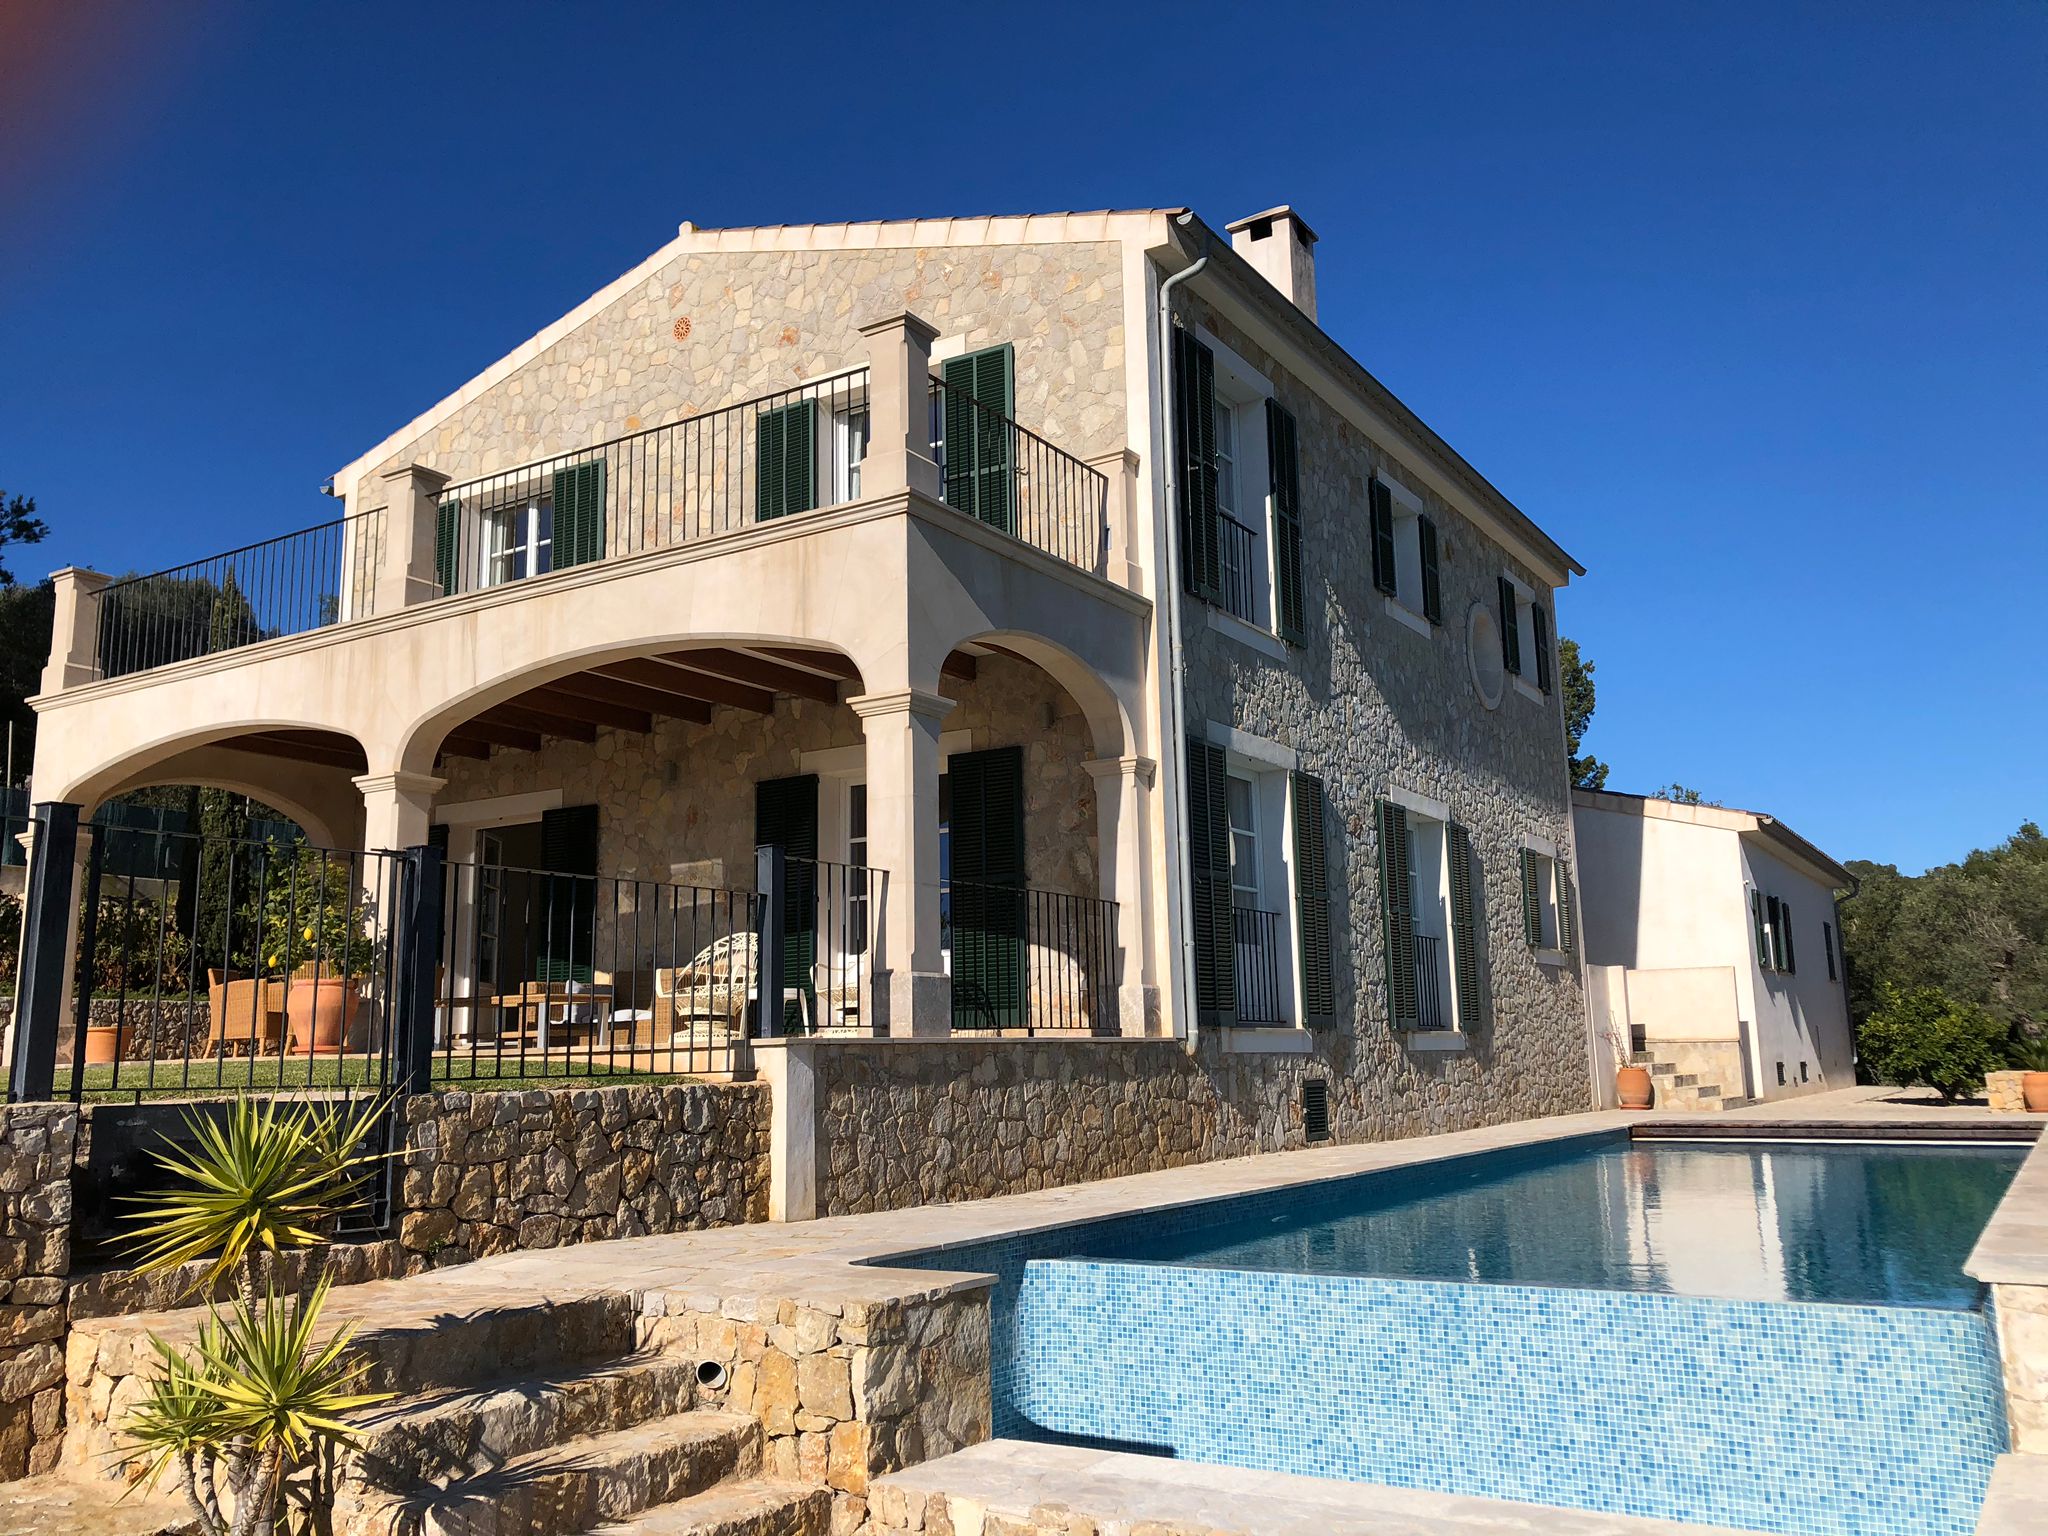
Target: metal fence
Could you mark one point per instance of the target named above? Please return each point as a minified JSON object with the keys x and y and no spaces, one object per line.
{"x":1017,"y":482}
{"x":283,"y":586}
{"x":1237,"y":548}
{"x":1028,"y":961}
{"x":780,"y":455}
{"x":1261,"y":963}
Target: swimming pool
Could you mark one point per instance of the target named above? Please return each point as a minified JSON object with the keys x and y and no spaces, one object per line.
{"x":1775,"y":1337}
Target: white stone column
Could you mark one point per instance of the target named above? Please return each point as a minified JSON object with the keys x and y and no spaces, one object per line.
{"x":398,"y":807}
{"x":1120,"y":509}
{"x":74,"y":629}
{"x":899,"y":407}
{"x":902,"y":731}
{"x":1123,"y":793}
{"x":788,"y":1065}
{"x":405,"y":570}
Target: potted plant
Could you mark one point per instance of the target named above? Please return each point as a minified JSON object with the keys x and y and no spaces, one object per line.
{"x":1632,"y":1086}
{"x":247,"y":1418}
{"x":316,"y":931}
{"x":2030,"y":1059}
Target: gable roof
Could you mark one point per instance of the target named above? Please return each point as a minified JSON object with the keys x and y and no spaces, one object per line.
{"x":1758,"y":824}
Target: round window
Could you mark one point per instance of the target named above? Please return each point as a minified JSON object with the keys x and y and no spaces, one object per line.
{"x":1482,"y":645}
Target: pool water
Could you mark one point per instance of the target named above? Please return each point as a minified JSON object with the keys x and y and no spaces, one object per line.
{"x":1770,"y":1336}
{"x":1890,"y":1224}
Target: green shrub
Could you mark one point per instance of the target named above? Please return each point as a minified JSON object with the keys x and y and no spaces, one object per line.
{"x":1925,"y":1038}
{"x":2028,"y":1053}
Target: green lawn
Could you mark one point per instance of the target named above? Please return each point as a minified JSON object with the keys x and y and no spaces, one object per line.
{"x":211,"y":1079}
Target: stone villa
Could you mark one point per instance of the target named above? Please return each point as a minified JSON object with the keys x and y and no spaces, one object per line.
{"x":1061,"y":556}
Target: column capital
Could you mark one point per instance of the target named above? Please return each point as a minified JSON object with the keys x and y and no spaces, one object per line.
{"x":81,"y":578}
{"x":428,"y":480}
{"x":916,"y":328}
{"x":399,"y":781}
{"x":74,"y":629}
{"x":1141,"y":769}
{"x":901,"y":701}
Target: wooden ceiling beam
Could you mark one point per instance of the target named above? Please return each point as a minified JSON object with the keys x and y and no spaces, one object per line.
{"x":613,"y":690}
{"x":694,"y":687}
{"x":567,"y":700}
{"x":453,"y":745}
{"x":306,"y":747}
{"x":527,"y":718}
{"x":958,"y":664}
{"x":497,"y":734}
{"x":829,"y":662}
{"x":762,"y":673}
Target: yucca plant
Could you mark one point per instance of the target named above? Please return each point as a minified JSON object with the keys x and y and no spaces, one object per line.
{"x":265,"y":1179}
{"x":258,"y":1400}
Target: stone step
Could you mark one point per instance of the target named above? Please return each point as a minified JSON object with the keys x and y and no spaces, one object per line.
{"x":451,"y":1432}
{"x":754,"y":1507}
{"x":570,"y":1488}
{"x":1736,"y":1101}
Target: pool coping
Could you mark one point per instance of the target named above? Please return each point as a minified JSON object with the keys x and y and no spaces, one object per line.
{"x":2013,"y":1248}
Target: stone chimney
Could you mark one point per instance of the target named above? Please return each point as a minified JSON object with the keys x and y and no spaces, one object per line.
{"x":1283,"y":249}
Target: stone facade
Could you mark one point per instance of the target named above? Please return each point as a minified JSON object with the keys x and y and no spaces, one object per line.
{"x":489,"y":1172}
{"x":845,"y":1390}
{"x":37,"y":1142}
{"x":768,"y":320}
{"x":1369,"y":704}
{"x":2005,"y":1091}
{"x":2022,"y":1316}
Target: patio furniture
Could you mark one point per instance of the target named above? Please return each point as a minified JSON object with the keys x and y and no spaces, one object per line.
{"x":244,"y":1013}
{"x":706,"y":999}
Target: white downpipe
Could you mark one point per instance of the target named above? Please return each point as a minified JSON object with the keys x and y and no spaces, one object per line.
{"x":1176,"y":744}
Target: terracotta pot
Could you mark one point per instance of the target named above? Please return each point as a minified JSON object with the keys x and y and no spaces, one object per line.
{"x":104,"y":1043}
{"x":319,"y":1013}
{"x":2034,"y":1090}
{"x":1632,"y":1086}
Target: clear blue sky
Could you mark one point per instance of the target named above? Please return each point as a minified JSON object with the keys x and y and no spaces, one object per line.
{"x":1746,"y":304}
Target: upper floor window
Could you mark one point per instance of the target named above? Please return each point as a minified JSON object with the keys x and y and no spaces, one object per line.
{"x":519,"y":541}
{"x":1525,"y":649}
{"x":1772,"y":920}
{"x":1548,"y":921}
{"x":1404,"y":552}
{"x":1238,"y":485}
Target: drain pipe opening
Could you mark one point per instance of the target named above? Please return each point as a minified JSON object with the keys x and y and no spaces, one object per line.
{"x":710,"y":1374}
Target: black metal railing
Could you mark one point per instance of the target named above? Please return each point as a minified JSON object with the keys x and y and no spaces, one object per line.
{"x":832,"y":946}
{"x":210,"y":964}
{"x":1429,"y":983}
{"x":783,"y":454}
{"x":1260,"y":965}
{"x":1239,"y":580}
{"x":283,"y":586}
{"x":1029,"y":962}
{"x":1018,"y":483}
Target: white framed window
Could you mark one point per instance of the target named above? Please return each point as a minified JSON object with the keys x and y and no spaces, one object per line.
{"x":1429,"y":887}
{"x":518,"y":541}
{"x":1549,"y":924}
{"x":848,"y":450}
{"x":1243,"y":491}
{"x":1526,"y":641}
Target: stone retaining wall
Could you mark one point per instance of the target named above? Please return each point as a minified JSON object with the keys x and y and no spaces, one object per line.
{"x":37,"y":1142}
{"x":845,"y":1390}
{"x":490,"y":1172}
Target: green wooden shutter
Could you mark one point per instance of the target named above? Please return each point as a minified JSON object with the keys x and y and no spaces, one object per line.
{"x":1312,"y":899}
{"x":1208,"y":792}
{"x":1762,"y":933}
{"x":568,"y":851}
{"x":1194,"y":403}
{"x":1397,"y":914}
{"x":1567,"y":914}
{"x":1283,"y":461}
{"x":1385,"y":566}
{"x":1510,"y":630}
{"x":1532,"y":898}
{"x":1785,"y":920}
{"x":447,"y":522}
{"x":786,"y":814}
{"x":1539,"y":626}
{"x":980,"y":397}
{"x":579,"y":514}
{"x":988,"y":905}
{"x":1827,"y":947}
{"x":786,"y":460}
{"x":1464,"y":929}
{"x":1774,"y":917}
{"x":1432,"y":579}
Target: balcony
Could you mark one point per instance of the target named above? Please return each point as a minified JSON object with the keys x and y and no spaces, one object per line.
{"x":789,"y":455}
{"x":1263,"y":969}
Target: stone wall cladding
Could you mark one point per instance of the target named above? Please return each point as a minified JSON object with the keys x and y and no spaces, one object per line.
{"x":489,"y":1172}
{"x":684,"y":793}
{"x":1369,"y":704}
{"x":37,"y":1143}
{"x":845,"y":1390}
{"x":764,"y":321}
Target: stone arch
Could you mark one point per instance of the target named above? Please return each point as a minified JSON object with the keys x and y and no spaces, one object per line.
{"x":1107,"y":715}
{"x":316,"y":795}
